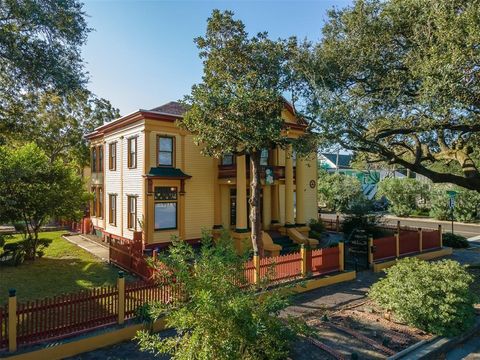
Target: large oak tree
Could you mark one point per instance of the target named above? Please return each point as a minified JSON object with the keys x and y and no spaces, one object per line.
{"x":399,"y":81}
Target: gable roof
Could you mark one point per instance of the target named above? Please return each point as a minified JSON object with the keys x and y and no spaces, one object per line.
{"x":172,"y":108}
{"x":344,"y":160}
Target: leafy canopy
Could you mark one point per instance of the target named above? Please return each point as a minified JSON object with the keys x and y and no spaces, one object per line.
{"x":398,"y":81}
{"x":221,"y":317}
{"x":403,"y":194}
{"x":33,"y":189}
{"x":40,"y":44}
{"x":339,"y":192}
{"x":238,"y":104}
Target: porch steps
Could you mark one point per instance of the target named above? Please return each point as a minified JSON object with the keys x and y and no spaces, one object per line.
{"x":288,"y":246}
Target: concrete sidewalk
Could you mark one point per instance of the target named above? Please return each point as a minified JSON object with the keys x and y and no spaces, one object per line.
{"x":92,"y":247}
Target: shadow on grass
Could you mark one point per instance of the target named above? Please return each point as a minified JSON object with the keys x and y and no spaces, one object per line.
{"x":47,"y":277}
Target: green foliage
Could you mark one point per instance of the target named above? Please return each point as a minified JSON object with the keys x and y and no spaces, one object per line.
{"x":403,"y":194}
{"x":218,"y":319}
{"x":317,"y":228}
{"x":58,"y":123}
{"x":360,"y":217}
{"x":17,"y":252}
{"x":467,"y":204}
{"x":339,"y":192}
{"x":34,"y":189}
{"x":396,"y":80}
{"x":237,"y":108}
{"x":455,"y":241}
{"x":433,"y":296}
{"x":40,"y":46}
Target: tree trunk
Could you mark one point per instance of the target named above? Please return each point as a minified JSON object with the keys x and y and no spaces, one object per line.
{"x":255,"y":214}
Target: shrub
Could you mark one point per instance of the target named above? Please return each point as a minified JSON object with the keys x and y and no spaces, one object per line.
{"x":217,"y":319}
{"x":317,"y":228}
{"x":402,"y":194}
{"x":16,"y":252}
{"x":359,"y":217}
{"x":339,"y":192}
{"x":432,"y":296}
{"x":467,"y":204}
{"x":455,"y":241}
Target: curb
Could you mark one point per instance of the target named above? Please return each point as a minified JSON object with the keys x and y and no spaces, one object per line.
{"x":435,"y":347}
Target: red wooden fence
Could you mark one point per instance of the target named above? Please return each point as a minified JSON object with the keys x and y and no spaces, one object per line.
{"x":409,"y":242}
{"x":385,"y":248}
{"x":3,"y":326}
{"x":280,"y":268}
{"x":128,"y":255}
{"x":71,"y":314}
{"x":431,"y":239}
{"x":66,"y":315}
{"x":325,"y":260}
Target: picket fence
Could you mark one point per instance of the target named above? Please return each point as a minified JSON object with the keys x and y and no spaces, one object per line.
{"x":69,"y":315}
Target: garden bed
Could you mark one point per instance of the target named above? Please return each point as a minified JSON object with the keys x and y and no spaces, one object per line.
{"x":362,"y":329}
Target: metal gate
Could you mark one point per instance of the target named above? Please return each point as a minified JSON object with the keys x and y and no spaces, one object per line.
{"x":356,"y":251}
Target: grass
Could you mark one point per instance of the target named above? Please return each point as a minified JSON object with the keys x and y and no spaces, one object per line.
{"x":63,"y":269}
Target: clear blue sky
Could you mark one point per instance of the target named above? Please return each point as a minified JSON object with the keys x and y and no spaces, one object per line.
{"x":141,"y":53}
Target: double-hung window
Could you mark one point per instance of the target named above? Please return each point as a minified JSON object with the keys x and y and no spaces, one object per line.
{"x":112,"y":156}
{"x":227,"y":159}
{"x":264,"y":157}
{"x":93,"y":208}
{"x":132,"y":153}
{"x":165,"y":146}
{"x":132,"y":212}
{"x":112,"y":207}
{"x":100,"y":158}
{"x":94,"y":159}
{"x":100,"y":202}
{"x":166,"y":199}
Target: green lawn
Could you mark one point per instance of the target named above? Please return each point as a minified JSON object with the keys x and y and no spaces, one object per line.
{"x":64,"y":268}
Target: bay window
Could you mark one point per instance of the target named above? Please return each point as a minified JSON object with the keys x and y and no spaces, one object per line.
{"x":166,"y":200}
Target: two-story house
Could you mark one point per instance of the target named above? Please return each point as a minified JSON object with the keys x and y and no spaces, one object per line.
{"x":150,"y":181}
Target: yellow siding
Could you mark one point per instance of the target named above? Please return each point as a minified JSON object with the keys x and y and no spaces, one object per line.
{"x":288,"y":117}
{"x":311,"y":193}
{"x":225,"y":204}
{"x":199,"y":199}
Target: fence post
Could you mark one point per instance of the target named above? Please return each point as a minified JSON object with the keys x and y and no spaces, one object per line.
{"x":337,"y":223}
{"x":440,"y":235}
{"x":303,"y":260}
{"x":256,"y":263}
{"x":397,"y":244}
{"x":12,"y":320}
{"x":370,"y":251}
{"x":121,"y":297}
{"x":420,"y":239}
{"x":398,"y":226}
{"x":341,"y":249}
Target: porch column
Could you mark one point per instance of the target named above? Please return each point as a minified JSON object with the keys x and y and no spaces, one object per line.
{"x":241,"y":221}
{"x":267,"y":207}
{"x":300,"y":186}
{"x":289,"y":217}
{"x":274,"y":200}
{"x":217,"y":210}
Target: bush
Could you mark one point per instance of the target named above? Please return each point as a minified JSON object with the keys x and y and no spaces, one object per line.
{"x":317,"y":228}
{"x":455,"y":241}
{"x":359,"y":217}
{"x":16,"y":252}
{"x":432,"y":296}
{"x":402,"y":194}
{"x":217,"y":318}
{"x":467,"y":204}
{"x":339,"y":192}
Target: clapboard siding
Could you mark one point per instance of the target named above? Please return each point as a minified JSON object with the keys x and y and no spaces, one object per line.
{"x":199,"y":190}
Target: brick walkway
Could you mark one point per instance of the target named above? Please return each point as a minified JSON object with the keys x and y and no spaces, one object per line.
{"x":93,"y":247}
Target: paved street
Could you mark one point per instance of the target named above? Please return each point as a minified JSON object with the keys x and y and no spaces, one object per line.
{"x":467,"y":230}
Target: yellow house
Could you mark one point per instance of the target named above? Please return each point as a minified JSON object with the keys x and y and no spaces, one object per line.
{"x":150,"y":181}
